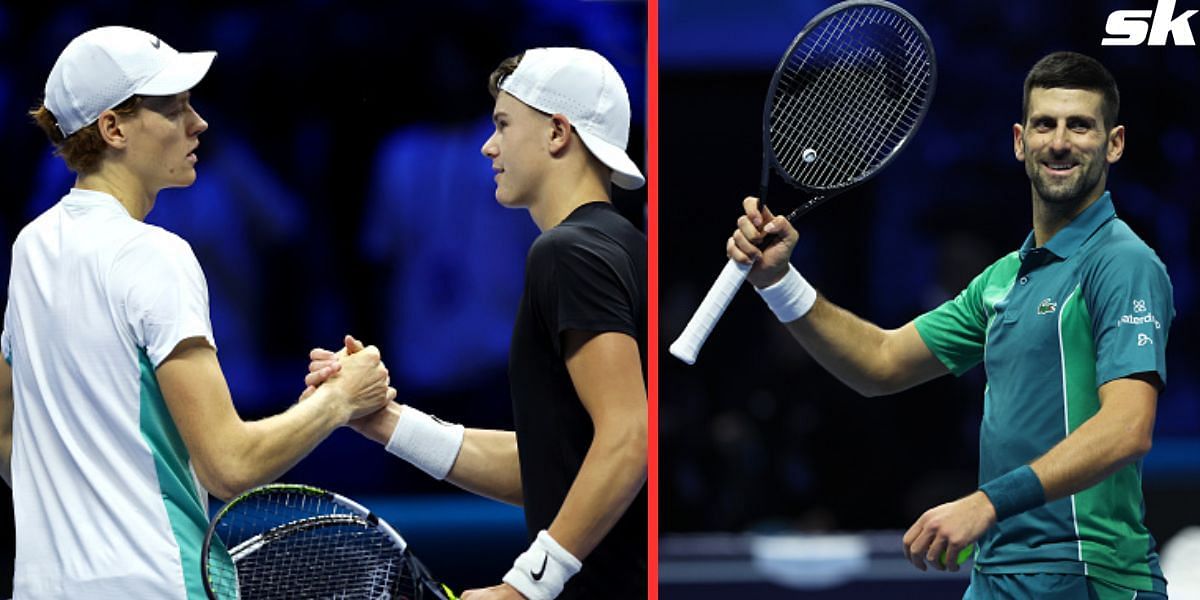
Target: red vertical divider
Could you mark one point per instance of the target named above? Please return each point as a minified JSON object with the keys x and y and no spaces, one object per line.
{"x":652,"y":249}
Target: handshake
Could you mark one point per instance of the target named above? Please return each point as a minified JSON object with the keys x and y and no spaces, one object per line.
{"x":355,"y":382}
{"x":359,"y":385}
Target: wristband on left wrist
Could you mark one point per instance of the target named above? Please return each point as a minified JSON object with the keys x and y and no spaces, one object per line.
{"x":1015,"y":492}
{"x":540,"y":572}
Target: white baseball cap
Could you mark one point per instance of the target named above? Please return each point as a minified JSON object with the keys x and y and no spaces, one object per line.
{"x":584,"y":87}
{"x":106,"y":66}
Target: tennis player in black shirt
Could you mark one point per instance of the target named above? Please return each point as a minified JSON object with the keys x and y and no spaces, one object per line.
{"x":577,"y":460}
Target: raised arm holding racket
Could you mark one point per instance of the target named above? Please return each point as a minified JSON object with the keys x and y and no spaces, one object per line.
{"x":846,"y":97}
{"x":1072,"y":331}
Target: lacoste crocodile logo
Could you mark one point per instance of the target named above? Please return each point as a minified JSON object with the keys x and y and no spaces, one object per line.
{"x":1046,"y":307}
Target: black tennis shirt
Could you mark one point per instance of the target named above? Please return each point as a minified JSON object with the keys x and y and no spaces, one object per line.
{"x":588,"y":274}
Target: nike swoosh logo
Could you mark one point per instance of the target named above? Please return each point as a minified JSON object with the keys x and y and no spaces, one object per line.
{"x":156,"y":43}
{"x":538,"y":576}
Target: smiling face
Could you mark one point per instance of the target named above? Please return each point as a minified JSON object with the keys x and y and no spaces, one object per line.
{"x":1066,"y":145}
{"x":162,"y":140}
{"x":519,"y":149}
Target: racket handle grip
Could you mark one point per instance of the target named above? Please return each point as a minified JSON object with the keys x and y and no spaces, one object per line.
{"x":687,"y":346}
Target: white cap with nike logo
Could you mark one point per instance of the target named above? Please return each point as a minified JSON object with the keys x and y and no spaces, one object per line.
{"x":104,"y":67}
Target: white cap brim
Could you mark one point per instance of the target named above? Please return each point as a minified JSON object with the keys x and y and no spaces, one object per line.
{"x":625,"y":174}
{"x":182,"y":74}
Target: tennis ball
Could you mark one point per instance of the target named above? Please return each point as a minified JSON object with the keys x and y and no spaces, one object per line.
{"x":963,"y":555}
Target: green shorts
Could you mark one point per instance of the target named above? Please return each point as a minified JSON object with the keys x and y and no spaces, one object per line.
{"x":1049,"y":586}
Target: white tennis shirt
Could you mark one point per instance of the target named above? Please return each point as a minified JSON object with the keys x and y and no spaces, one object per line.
{"x":107,"y":504}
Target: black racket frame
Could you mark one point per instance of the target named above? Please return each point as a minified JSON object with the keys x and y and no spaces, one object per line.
{"x":771,"y":162}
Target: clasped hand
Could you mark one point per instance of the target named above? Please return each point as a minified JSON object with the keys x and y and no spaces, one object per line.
{"x":359,"y":370}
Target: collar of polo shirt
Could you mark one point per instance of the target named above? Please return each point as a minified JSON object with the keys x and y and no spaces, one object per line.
{"x":1070,"y":238}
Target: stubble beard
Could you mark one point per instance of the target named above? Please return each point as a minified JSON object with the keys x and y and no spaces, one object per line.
{"x":1066,"y":195}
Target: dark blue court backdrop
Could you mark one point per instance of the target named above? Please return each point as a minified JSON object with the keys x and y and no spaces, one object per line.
{"x":758,"y":437}
{"x":341,"y":189}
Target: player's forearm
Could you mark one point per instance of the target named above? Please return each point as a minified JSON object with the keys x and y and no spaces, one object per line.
{"x":488,"y":465}
{"x":851,"y":348}
{"x":612,"y":474}
{"x":1097,"y":449}
{"x":258,"y":452}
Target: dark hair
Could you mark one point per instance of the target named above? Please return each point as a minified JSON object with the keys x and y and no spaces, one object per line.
{"x":84,"y":149}
{"x":1075,"y":71}
{"x":506,"y":68}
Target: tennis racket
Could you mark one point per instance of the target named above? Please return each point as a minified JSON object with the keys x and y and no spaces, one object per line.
{"x":847,"y":96}
{"x":283,"y":541}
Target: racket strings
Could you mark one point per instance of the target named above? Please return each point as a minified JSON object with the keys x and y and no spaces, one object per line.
{"x":897,"y":120}
{"x":294,"y":544}
{"x":861,"y":78}
{"x":858,"y":118}
{"x":825,"y":89}
{"x":854,"y":73}
{"x":791,"y":103}
{"x":852,"y":91}
{"x":889,"y":128}
{"x":344,"y":561}
{"x":869,"y":118}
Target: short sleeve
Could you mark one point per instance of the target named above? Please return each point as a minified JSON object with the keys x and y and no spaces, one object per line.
{"x":162,"y":293}
{"x":583,"y":283}
{"x":1129,"y":296}
{"x":956,"y":331}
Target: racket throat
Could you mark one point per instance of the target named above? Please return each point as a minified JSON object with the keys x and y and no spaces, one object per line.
{"x":804,"y":208}
{"x":799,"y":211}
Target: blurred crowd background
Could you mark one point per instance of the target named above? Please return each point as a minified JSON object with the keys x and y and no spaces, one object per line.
{"x":756,"y":436}
{"x":341,"y":190}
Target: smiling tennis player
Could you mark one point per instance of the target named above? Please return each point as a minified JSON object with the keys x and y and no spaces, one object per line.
{"x":1072,"y":330}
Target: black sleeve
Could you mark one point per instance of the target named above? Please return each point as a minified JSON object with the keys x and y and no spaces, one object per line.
{"x":583,"y":282}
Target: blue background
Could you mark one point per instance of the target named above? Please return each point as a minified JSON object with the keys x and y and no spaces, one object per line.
{"x":341,"y":190}
{"x":756,"y":436}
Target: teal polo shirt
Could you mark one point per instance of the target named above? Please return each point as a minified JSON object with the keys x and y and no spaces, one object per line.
{"x":1052,"y":324}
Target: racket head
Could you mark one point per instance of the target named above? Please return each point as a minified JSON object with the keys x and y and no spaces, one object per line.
{"x":849,"y":93}
{"x":295,"y":541}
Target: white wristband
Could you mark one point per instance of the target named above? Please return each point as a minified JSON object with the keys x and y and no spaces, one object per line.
{"x":429,"y":443}
{"x":540,"y":572}
{"x":791,"y":297}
